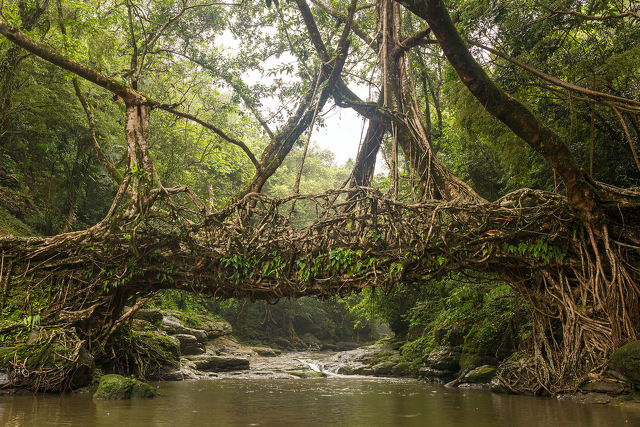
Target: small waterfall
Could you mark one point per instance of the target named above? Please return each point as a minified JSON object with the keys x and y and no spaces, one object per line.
{"x":316,"y":366}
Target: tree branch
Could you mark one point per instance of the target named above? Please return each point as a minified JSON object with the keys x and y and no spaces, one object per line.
{"x":341,"y":18}
{"x":581,"y":191}
{"x":211,"y":127}
{"x":553,"y":80}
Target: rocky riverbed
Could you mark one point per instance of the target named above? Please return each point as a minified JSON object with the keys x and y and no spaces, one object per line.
{"x":201,"y":347}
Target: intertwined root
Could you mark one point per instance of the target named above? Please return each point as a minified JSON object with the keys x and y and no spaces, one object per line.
{"x":580,"y":283}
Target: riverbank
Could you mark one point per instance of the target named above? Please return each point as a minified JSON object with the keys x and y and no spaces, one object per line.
{"x":177,"y":347}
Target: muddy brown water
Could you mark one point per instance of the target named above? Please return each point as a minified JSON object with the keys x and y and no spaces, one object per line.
{"x":333,"y":401}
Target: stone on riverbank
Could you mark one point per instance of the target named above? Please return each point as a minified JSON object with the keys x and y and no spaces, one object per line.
{"x":405,"y":369}
{"x":220,"y":363}
{"x":604,"y":386}
{"x":626,"y":360}
{"x":173,"y":326}
{"x":437,"y":376}
{"x":117,"y":387}
{"x":479,"y":375}
{"x":443,"y":359}
{"x":189,"y":345}
{"x":213,"y":328}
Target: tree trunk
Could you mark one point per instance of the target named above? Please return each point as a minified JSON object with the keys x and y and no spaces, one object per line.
{"x":580,"y":190}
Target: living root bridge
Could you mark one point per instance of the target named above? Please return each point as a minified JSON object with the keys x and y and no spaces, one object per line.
{"x":264,"y":248}
{"x":340,"y":241}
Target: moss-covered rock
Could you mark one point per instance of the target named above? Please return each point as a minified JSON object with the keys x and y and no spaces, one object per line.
{"x":480,"y":375}
{"x":212,"y":327}
{"x":471,"y":359}
{"x":604,"y":386}
{"x":152,"y":316}
{"x":443,"y":359}
{"x":161,"y":349}
{"x":626,"y":360}
{"x":405,"y":369}
{"x":10,"y":224}
{"x":384,"y":369}
{"x":210,"y":363}
{"x":117,"y":387}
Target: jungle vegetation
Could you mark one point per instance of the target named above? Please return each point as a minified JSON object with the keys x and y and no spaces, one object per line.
{"x":153,"y":145}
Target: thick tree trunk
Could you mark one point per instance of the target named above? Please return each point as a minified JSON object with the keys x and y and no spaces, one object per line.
{"x":365,"y":164}
{"x":436,"y":179}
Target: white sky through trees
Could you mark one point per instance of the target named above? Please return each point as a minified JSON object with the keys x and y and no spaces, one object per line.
{"x":342,"y":128}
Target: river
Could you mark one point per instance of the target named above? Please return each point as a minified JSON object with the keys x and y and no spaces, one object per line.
{"x":271,"y":394}
{"x":333,"y":401}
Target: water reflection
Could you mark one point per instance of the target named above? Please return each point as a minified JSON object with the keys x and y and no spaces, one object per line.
{"x":309,"y":402}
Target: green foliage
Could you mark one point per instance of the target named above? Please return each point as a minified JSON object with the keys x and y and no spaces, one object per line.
{"x":478,"y":317}
{"x":11,"y":225}
{"x":540,"y":250}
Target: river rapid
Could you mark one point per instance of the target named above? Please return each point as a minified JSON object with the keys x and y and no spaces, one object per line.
{"x":268,"y":396}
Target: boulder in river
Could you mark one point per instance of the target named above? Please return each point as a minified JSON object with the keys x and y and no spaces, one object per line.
{"x":479,"y":375}
{"x":266,"y":351}
{"x":437,"y":376}
{"x":626,"y":360}
{"x":605,"y":386}
{"x":210,"y":363}
{"x":117,"y":387}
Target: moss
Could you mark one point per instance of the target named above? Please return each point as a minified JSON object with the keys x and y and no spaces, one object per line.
{"x":161,"y":349}
{"x":16,"y":310}
{"x":53,"y":358}
{"x":474,"y":359}
{"x":116,"y":387}
{"x":626,"y":360}
{"x":34,"y":356}
{"x":10,"y":225}
{"x":6,"y":355}
{"x":406,"y":369}
{"x":482,"y":374}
